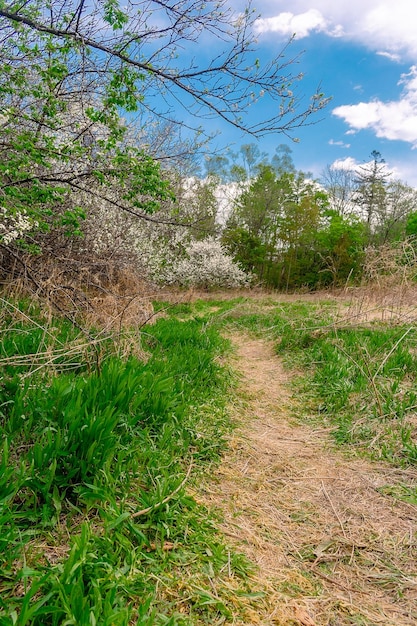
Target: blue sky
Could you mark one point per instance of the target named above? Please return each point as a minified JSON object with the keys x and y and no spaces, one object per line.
{"x":363,"y":53}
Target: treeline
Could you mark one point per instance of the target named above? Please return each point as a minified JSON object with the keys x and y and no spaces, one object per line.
{"x":290,"y":231}
{"x":94,"y":180}
{"x":247,"y":219}
{"x":96,"y":165}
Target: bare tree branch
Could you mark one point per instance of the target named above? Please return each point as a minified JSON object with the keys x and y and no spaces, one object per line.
{"x":225,"y":87}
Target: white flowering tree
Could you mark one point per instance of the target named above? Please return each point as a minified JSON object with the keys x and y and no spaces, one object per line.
{"x":175,"y":246}
{"x":205,"y":264}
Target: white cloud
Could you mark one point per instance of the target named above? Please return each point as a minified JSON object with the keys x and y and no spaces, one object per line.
{"x":395,"y":120}
{"x":376,"y":24}
{"x":332,"y":142}
{"x":288,"y":24}
{"x":390,"y":26}
{"x":301,"y":24}
{"x":406,"y":171}
{"x":389,"y":55}
{"x":348,"y":164}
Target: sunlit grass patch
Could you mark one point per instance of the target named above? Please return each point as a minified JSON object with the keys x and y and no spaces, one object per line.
{"x":95,"y":520}
{"x":361,"y":380}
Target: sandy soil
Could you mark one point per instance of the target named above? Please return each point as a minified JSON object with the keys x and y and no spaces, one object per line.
{"x":331,"y":546}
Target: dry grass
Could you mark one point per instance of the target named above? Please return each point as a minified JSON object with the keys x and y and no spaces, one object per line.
{"x":330,"y":545}
{"x":388,"y":292}
{"x":101,"y":300}
{"x":96,"y":293}
{"x":112,"y":300}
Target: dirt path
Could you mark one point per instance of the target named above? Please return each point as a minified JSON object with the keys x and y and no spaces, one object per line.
{"x":330,"y":547}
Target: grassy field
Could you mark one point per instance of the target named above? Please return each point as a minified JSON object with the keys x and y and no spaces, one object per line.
{"x":99,"y":445}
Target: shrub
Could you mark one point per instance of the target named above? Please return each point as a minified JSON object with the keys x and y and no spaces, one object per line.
{"x":206,"y":264}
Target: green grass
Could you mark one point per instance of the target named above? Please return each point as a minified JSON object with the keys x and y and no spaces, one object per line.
{"x":96,"y":526}
{"x":84,"y":451}
{"x":360,"y":380}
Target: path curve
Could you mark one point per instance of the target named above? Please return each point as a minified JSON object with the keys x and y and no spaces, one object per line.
{"x":331,"y":549}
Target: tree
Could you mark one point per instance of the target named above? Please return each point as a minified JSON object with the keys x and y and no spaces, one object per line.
{"x":273,"y":227}
{"x":205,"y":264}
{"x":370,"y":194}
{"x":243,"y":165}
{"x":303,"y":208}
{"x":251,"y":230}
{"x":340,"y":246}
{"x":391,"y":218}
{"x":340,"y":187}
{"x":61,"y":135}
{"x":247,"y":162}
{"x":137,"y":45}
{"x":282,"y":159}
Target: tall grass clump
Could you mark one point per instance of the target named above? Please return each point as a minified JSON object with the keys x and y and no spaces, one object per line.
{"x":362,"y":380}
{"x":96,"y":526}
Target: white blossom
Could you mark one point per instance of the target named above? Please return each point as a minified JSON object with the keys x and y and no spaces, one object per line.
{"x":206,"y":264}
{"x":13,"y":226}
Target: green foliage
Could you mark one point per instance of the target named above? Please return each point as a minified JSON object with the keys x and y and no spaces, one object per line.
{"x":291,"y":233}
{"x":247,"y":249}
{"x":273,"y":230}
{"x":411,"y":226}
{"x":340,"y":244}
{"x":61,"y":134}
{"x":83,"y":451}
{"x":113,"y":14}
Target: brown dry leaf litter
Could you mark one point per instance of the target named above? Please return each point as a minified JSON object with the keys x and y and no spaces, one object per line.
{"x":330,"y":548}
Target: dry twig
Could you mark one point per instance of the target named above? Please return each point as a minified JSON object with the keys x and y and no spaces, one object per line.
{"x":169,"y":497}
